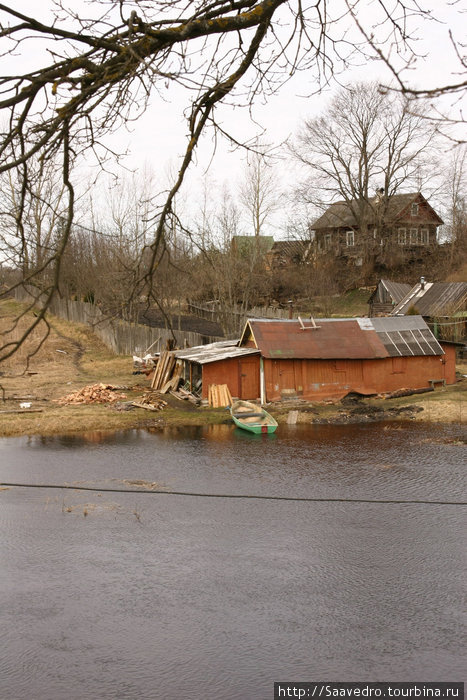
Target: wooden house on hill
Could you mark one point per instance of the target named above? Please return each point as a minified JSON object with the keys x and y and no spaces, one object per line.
{"x":405,"y":222}
{"x":283,"y":359}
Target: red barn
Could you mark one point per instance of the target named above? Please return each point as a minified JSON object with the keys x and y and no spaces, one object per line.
{"x":330,"y":358}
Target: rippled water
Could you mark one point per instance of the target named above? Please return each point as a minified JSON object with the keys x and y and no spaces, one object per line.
{"x":143,"y":595}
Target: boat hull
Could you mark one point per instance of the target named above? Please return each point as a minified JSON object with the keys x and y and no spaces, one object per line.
{"x":248,"y":416}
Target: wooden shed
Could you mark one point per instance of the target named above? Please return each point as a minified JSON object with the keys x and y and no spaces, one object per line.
{"x":332,"y":357}
{"x":223,"y":362}
{"x":386,"y":296}
{"x":278,"y":359}
{"x":443,"y":305}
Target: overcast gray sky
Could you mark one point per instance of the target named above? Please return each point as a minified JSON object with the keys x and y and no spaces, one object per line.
{"x":158,"y":138}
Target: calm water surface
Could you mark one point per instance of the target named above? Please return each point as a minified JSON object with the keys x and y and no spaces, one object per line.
{"x":145,"y":596}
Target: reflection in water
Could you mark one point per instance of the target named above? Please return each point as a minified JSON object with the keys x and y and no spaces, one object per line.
{"x":147,"y":595}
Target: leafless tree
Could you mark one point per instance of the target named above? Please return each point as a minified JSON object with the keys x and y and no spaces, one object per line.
{"x":99,"y":72}
{"x":30,"y":220}
{"x":260,"y":192}
{"x":456,"y":186}
{"x":230,"y":266}
{"x":364,"y":142}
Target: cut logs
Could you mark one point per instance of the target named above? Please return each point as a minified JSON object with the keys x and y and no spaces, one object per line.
{"x":94,"y":393}
{"x":219,"y":396}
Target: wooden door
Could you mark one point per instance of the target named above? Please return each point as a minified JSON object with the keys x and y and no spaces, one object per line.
{"x":286,"y":375}
{"x":249,"y":377}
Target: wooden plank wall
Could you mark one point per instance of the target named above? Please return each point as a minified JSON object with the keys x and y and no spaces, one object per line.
{"x":121,"y":337}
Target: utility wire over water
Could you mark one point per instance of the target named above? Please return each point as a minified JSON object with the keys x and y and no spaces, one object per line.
{"x":338,"y":549}
{"x":306,"y":499}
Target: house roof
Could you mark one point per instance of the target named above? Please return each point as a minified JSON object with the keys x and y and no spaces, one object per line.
{"x":213,"y":352}
{"x":340,"y":214}
{"x":245,"y":244}
{"x":290,"y":249}
{"x":357,"y":339}
{"x":434,"y":299}
{"x":396,"y":290}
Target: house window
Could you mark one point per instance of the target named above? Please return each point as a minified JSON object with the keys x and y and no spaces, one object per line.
{"x":414,"y":209}
{"x":402,"y":236}
{"x":413,"y":236}
{"x":350,"y":238}
{"x":424,"y":236}
{"x":327,"y":241}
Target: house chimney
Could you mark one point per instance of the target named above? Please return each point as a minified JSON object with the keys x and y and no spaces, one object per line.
{"x":422,"y":282}
{"x":290,"y":303}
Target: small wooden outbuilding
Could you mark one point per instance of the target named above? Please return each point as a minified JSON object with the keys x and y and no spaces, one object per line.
{"x":443,"y":305}
{"x":386,"y":296}
{"x":223,"y":362}
{"x":333,"y":357}
{"x":278,"y":359}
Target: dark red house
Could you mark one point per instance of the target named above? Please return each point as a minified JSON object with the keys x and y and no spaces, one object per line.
{"x":406,"y":223}
{"x":330,"y":358}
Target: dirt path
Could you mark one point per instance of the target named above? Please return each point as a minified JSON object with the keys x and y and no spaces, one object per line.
{"x":78,"y":347}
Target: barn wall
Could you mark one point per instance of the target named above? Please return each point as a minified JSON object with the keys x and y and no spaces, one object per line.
{"x":320,"y":379}
{"x":222,"y":372}
{"x":312,"y":378}
{"x":240,"y":374}
{"x":450,"y":362}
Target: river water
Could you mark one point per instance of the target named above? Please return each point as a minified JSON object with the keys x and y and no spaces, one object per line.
{"x":146,"y":595}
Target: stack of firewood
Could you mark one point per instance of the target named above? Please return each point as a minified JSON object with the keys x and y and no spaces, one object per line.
{"x":219,"y":395}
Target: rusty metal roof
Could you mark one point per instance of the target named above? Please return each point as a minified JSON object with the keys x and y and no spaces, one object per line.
{"x":434,"y":299}
{"x":357,"y":339}
{"x":213,"y":352}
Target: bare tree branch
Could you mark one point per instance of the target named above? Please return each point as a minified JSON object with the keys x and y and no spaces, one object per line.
{"x":100,"y":72}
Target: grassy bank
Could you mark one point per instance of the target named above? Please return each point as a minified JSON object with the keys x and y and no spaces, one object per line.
{"x":73,"y":357}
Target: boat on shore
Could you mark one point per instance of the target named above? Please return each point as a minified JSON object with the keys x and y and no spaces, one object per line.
{"x":249,"y":416}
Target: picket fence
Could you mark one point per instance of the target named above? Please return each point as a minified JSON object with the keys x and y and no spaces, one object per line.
{"x":121,"y":337}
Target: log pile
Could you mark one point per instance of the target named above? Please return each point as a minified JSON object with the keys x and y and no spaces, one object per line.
{"x":219,"y":396}
{"x":167,"y":373}
{"x":150,"y":401}
{"x":93,"y":393}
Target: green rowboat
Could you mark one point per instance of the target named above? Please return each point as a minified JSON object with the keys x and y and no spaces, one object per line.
{"x":251,"y":417}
